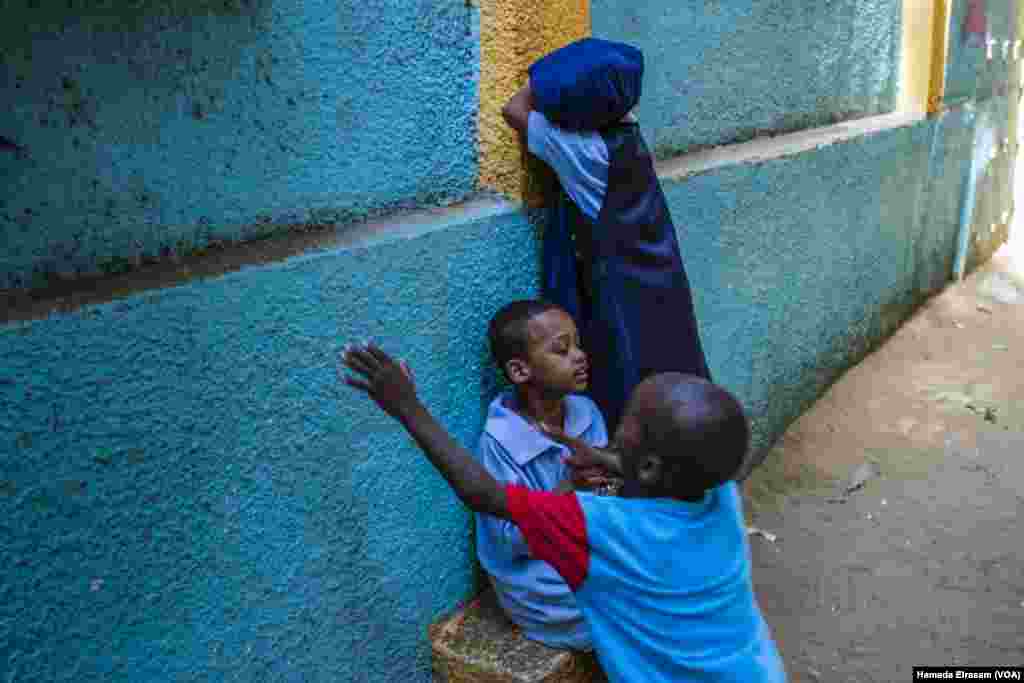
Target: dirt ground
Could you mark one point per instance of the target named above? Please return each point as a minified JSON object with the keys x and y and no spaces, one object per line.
{"x":923,"y":562}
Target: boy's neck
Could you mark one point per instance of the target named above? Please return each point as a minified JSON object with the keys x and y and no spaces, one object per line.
{"x":544,"y":410}
{"x":634,"y":489}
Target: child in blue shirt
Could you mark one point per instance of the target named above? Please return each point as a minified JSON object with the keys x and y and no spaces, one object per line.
{"x":536,"y":345}
{"x":662,"y":574}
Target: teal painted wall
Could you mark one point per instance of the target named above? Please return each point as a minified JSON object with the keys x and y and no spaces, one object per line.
{"x":151,"y":125}
{"x":803,"y":264}
{"x":970,"y":75}
{"x":188,"y":494}
{"x":722,"y":72}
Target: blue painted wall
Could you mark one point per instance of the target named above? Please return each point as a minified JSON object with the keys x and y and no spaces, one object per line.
{"x":153,"y":125}
{"x":190,"y":495}
{"x":187,"y":494}
{"x":802,"y":264}
{"x":970,"y":75}
{"x":720,"y":72}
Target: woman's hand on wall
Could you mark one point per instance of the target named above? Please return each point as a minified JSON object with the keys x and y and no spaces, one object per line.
{"x":516,"y":111}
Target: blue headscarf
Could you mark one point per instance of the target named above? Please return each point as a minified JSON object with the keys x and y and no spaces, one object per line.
{"x":588,"y":84}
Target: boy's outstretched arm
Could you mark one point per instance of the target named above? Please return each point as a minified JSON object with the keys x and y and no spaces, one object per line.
{"x":392,"y":388}
{"x":517,"y":110}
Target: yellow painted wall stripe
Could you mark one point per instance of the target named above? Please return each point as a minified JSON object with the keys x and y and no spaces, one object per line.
{"x":916,"y":54}
{"x":512,"y":36}
{"x":940,"y":48}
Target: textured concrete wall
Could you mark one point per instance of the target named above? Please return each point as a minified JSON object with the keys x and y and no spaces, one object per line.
{"x":152,"y":125}
{"x":916,"y":53}
{"x":187,"y":493}
{"x":796,"y":279}
{"x":512,"y":36}
{"x":720,"y":72}
{"x":970,"y":74}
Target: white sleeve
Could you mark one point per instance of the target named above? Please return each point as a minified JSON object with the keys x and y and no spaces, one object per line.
{"x":539,"y":132}
{"x":580,"y":159}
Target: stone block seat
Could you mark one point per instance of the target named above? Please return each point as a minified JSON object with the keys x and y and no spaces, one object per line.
{"x":479,"y":644}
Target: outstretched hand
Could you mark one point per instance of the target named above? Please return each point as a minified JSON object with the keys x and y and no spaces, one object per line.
{"x":392,"y":387}
{"x":388,"y":382}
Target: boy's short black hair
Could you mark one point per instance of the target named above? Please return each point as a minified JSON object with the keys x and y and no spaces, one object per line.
{"x":507,"y":332}
{"x":700,"y":431}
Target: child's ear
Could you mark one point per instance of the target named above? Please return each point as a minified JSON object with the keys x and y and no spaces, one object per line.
{"x":518,"y":371}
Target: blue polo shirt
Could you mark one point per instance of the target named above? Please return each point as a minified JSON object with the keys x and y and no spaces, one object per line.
{"x":664,"y":585}
{"x":529,"y":590}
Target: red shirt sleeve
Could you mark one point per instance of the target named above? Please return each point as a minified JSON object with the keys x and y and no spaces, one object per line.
{"x":554,"y":529}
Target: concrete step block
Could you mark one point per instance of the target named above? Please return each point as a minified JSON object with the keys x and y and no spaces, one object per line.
{"x":479,"y":644}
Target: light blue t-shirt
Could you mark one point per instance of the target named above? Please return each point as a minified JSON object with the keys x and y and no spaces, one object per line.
{"x":663,"y":584}
{"x":530,"y":591}
{"x":668,"y":593}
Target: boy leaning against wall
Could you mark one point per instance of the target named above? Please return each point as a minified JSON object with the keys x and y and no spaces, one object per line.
{"x":661,"y":575}
{"x":537,"y":347}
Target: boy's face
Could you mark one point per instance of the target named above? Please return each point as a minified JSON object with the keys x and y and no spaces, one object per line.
{"x":641,"y":469}
{"x":554,"y":360}
{"x":628,"y":440}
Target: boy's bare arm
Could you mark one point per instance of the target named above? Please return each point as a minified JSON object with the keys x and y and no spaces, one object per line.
{"x":392,"y":388}
{"x":517,"y":110}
